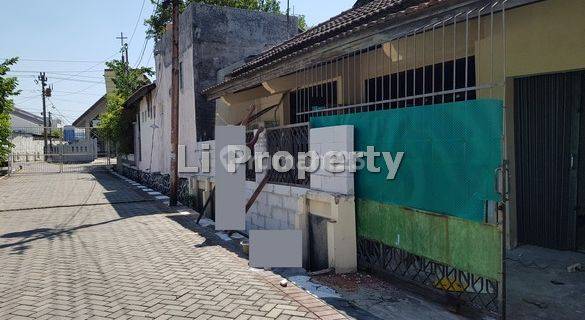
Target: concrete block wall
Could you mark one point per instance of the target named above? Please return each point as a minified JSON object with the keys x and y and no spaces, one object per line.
{"x":276,"y":208}
{"x":280,"y":207}
{"x":322,"y":140}
{"x":284,"y":207}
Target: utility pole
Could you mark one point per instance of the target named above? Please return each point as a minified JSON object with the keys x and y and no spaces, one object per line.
{"x":43,"y":79}
{"x":123,"y":48}
{"x":175,"y":106}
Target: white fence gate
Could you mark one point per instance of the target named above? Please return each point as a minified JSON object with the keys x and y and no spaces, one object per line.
{"x":55,"y":150}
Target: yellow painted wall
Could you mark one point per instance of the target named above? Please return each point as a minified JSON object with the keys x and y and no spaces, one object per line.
{"x":543,"y":37}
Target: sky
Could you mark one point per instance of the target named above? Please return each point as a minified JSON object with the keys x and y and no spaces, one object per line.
{"x":71,"y":39}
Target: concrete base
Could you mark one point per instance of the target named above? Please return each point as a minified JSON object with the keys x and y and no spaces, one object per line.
{"x":540,"y":287}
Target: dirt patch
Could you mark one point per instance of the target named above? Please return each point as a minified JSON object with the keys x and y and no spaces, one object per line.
{"x":350,"y":282}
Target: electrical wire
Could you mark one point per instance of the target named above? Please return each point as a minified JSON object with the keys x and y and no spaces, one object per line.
{"x":55,"y":60}
{"x":93,"y":66}
{"x":137,"y":21}
{"x":142,"y":53}
{"x":146,"y":40}
{"x":58,"y":111}
{"x":53,"y":71}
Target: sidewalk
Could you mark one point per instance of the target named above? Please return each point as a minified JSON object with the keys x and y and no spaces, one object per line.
{"x":78,"y":245}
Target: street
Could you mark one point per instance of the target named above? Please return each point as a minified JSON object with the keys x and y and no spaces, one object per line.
{"x":83,"y":245}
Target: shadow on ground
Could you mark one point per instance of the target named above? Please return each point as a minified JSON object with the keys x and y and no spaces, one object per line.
{"x":126,"y":202}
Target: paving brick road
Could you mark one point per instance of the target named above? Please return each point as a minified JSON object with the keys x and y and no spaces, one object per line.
{"x":78,"y":245}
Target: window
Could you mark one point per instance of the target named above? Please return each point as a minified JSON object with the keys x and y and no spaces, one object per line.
{"x":440,"y":79}
{"x":149,"y":106}
{"x":321,"y":96}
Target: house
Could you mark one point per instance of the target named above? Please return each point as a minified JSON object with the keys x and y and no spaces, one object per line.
{"x":483,"y":97}
{"x":90,"y":117}
{"x":210,"y":39}
{"x":23,"y":119}
{"x":89,"y":120}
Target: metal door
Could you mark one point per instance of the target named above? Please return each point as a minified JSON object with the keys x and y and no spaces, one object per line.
{"x":546,"y":117}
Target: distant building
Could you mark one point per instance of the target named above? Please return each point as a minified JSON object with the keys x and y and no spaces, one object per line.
{"x":28,"y":134}
{"x":20,"y":119}
{"x":211,"y":38}
{"x":72,"y":134}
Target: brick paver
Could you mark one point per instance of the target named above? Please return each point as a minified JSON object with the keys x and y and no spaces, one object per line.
{"x":96,"y":248}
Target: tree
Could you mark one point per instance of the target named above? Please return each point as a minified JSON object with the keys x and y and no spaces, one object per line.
{"x":127,"y":80}
{"x":162,"y":14}
{"x":7,"y":90}
{"x":303,"y":23}
{"x":114,"y":123}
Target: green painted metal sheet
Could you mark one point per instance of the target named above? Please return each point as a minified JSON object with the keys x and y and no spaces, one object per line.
{"x":451,"y":153}
{"x":466,"y":245}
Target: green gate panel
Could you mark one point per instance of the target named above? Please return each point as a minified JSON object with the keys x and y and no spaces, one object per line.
{"x":451,"y":153}
{"x":466,"y":245}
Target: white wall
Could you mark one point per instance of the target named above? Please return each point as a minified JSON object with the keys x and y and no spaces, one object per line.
{"x":156,"y":146}
{"x":26,"y":148}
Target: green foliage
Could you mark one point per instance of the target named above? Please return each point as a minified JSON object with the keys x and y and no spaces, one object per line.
{"x":128,"y":80}
{"x":115,"y":123}
{"x":303,"y":23}
{"x":162,"y":15}
{"x":110,"y":122}
{"x":7,"y":90}
{"x":269,"y":5}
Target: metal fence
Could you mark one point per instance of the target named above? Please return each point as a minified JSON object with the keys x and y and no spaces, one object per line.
{"x":454,"y":56}
{"x":58,"y":150}
{"x":250,"y":166}
{"x":292,"y":139}
{"x":385,"y":260}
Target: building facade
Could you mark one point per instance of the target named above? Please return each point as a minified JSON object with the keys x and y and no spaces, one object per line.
{"x":454,"y":85}
{"x":210,"y":39}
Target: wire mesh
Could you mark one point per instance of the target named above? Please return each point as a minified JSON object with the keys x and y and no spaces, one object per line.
{"x":439,"y":62}
{"x":292,"y":139}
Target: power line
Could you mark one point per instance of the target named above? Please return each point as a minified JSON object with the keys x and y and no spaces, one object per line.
{"x":59,"y":112}
{"x":149,"y":58}
{"x":137,"y":21}
{"x":66,"y":93}
{"x":67,"y":100}
{"x":95,"y":65}
{"x":141,"y":53}
{"x":69,"y":93}
{"x":75,"y":80}
{"x":57,"y":73}
{"x":60,"y":79}
{"x":146,"y":40}
{"x":55,"y":60}
{"x":64,"y":71}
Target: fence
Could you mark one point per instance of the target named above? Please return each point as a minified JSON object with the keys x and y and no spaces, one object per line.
{"x":453,"y":55}
{"x":54,"y":150}
{"x":292,"y":139}
{"x":456,"y":56}
{"x":250,"y":166}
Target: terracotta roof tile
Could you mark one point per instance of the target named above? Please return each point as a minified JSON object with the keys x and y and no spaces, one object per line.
{"x":340,"y":25}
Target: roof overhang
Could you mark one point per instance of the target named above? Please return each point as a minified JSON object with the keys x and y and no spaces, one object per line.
{"x":381,"y":30}
{"x":83,"y":118}
{"x":138,"y":95}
